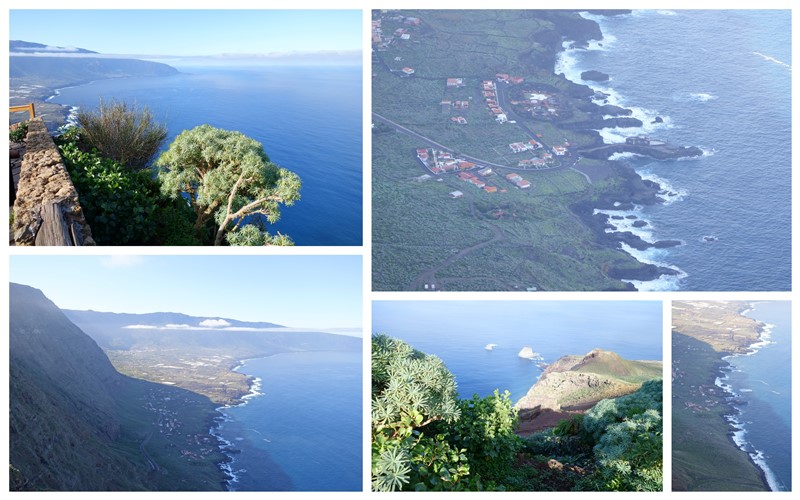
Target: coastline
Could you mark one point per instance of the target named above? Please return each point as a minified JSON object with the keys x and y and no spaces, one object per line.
{"x":226,"y":447}
{"x":738,"y":432}
{"x":614,"y":219}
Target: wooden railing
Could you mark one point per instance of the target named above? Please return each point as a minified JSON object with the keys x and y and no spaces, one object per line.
{"x":30,"y":108}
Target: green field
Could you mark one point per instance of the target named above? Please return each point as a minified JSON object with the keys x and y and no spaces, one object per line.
{"x":704,"y":458}
{"x":513,"y":240}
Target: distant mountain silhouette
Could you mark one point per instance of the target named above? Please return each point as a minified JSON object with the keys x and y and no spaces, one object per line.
{"x":23,"y":47}
{"x":245,"y":338}
{"x":67,"y":66}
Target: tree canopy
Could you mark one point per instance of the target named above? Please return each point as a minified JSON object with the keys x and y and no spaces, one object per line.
{"x":228,"y":178}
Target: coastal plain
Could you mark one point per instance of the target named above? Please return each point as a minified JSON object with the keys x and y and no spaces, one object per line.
{"x":461,"y":84}
{"x":704,"y":455}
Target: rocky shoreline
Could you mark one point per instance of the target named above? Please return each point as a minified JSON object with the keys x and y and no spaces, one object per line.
{"x":632,"y":191}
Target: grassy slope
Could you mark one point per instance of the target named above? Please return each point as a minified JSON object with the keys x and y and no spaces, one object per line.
{"x":703,"y":456}
{"x":417,"y":227}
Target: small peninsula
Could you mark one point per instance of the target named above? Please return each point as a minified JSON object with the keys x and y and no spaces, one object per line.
{"x":573,"y":384}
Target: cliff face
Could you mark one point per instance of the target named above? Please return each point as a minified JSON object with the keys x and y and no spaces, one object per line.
{"x":63,"y":415}
{"x":578,"y":382}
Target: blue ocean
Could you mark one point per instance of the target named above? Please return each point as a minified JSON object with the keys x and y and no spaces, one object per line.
{"x":459,"y":331}
{"x":763,"y":380}
{"x":302,"y":430}
{"x":720,"y":80}
{"x":308,"y":119}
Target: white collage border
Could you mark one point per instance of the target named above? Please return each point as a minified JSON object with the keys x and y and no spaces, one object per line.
{"x":365,"y":251}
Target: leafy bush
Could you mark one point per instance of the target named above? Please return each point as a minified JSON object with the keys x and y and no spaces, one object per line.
{"x":119,"y":204}
{"x":628,"y":433}
{"x":174,"y":224}
{"x":123,"y":132}
{"x":18,"y":133}
{"x":629,"y":454}
{"x":123,"y":207}
{"x":411,"y":390}
{"x":610,"y":411}
{"x":486,"y":430}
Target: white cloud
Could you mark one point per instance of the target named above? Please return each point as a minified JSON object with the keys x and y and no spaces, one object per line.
{"x":181,"y":326}
{"x":214,"y":323}
{"x":141,"y":327}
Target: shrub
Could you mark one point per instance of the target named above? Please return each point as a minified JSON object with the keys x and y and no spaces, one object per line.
{"x":628,"y":433}
{"x":119,"y":204}
{"x":486,"y":431}
{"x":123,"y":132}
{"x":410,"y":391}
{"x":18,"y":133}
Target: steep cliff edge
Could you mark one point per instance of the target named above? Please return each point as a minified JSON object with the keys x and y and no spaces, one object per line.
{"x":76,"y":424}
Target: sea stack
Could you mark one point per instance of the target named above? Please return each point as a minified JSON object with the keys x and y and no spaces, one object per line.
{"x":526,"y":352}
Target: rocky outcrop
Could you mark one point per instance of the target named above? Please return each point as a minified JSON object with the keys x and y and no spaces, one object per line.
{"x":578,"y":382}
{"x":661,"y":152}
{"x":43,"y":183}
{"x":594,"y":76}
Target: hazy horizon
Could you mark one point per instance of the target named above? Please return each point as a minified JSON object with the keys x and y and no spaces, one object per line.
{"x":319,"y":293}
{"x":192,"y":33}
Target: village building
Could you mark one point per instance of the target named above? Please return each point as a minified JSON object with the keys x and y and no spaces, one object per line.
{"x":408,"y":71}
{"x":643,"y":140}
{"x":490,"y":189}
{"x":466,"y":165}
{"x":455,"y":82}
{"x":459,"y":119}
{"x":486,"y":171}
{"x":456,"y":194}
{"x":446,"y":106}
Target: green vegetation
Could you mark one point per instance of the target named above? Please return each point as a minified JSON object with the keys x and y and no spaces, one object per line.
{"x":18,"y":133}
{"x":213,"y":186}
{"x":703,"y":456}
{"x":513,"y":240}
{"x":227,"y":178}
{"x":123,"y":133}
{"x":425,"y":438}
{"x":122,"y":206}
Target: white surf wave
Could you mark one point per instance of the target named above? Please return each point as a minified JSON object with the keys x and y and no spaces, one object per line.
{"x":772,"y":59}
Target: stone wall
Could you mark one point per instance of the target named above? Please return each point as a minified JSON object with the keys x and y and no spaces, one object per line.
{"x":44,"y":180}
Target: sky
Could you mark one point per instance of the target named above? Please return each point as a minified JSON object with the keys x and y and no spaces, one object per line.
{"x":639,"y":322}
{"x":191,"y":32}
{"x":302,"y":291}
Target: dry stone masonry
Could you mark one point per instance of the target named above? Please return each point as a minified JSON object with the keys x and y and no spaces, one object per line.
{"x":45,"y":186}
